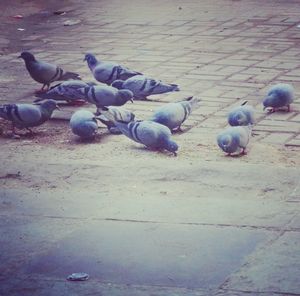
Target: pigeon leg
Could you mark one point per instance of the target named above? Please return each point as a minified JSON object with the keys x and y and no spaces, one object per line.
{"x":177,"y":130}
{"x":30,"y":131}
{"x":98,"y":112}
{"x":78,"y":102}
{"x":243,"y":151}
{"x":42,"y":90}
{"x":14,"y":134}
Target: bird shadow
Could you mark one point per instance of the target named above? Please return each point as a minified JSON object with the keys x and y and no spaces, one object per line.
{"x":235,"y":155}
{"x":152,"y":150}
{"x":99,"y":137}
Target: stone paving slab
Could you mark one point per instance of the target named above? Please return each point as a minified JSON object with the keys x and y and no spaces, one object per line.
{"x":275,"y":255}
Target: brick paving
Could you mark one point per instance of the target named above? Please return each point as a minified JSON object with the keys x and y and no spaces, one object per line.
{"x":223,"y":55}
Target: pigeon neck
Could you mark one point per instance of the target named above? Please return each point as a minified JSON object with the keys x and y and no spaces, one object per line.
{"x":92,"y":63}
{"x":46,"y":112}
{"x":29,"y":63}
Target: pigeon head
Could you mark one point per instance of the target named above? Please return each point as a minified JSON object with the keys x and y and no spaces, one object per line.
{"x":118,"y":84}
{"x":127,"y":116}
{"x":91,"y":59}
{"x":268,"y":102}
{"x":49,"y":105}
{"x":125,"y":95}
{"x":172,"y":147}
{"x":228,"y":143}
{"x":238,"y":118}
{"x":27,"y":56}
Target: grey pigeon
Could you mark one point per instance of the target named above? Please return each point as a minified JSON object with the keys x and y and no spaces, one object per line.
{"x":149,"y":133}
{"x":84,"y":124}
{"x":141,"y":86}
{"x":28,"y":115}
{"x":107,"y":72}
{"x":279,"y":95}
{"x":119,"y":114}
{"x":173,"y":115}
{"x":241,"y":115}
{"x":103,"y":96}
{"x":65,"y":91}
{"x":234,"y":139}
{"x":43,"y":72}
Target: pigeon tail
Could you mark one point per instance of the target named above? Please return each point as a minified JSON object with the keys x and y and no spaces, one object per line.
{"x":174,"y":87}
{"x":2,"y":112}
{"x":70,"y":75}
{"x":118,"y":84}
{"x":47,"y":96}
{"x":194,"y":102}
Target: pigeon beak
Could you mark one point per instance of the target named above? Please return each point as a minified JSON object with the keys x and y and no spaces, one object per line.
{"x":131,"y":100}
{"x":19,"y":57}
{"x":84,"y":59}
{"x":57,"y":107}
{"x":265,"y":107}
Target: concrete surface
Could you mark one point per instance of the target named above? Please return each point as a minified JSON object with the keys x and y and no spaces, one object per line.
{"x":141,"y":222}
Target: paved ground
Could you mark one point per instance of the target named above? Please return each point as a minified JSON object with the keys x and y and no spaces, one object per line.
{"x":141,"y":222}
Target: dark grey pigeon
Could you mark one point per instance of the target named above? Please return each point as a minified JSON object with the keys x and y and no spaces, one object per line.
{"x":45,"y":73}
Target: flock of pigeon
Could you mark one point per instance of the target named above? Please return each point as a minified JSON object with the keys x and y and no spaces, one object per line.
{"x":118,"y":86}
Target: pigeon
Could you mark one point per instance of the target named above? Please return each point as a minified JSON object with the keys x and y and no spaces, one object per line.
{"x":118,"y":113}
{"x":241,"y":115}
{"x":279,"y":95}
{"x":141,"y":86}
{"x":107,"y":72}
{"x":45,"y":73}
{"x":65,"y":91}
{"x":234,"y":139}
{"x":104,"y":95}
{"x":149,"y":133}
{"x":28,"y":115}
{"x":173,"y":115}
{"x":84,"y":124}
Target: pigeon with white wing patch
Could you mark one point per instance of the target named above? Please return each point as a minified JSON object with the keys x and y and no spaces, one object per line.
{"x":119,"y":114}
{"x":173,"y":115}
